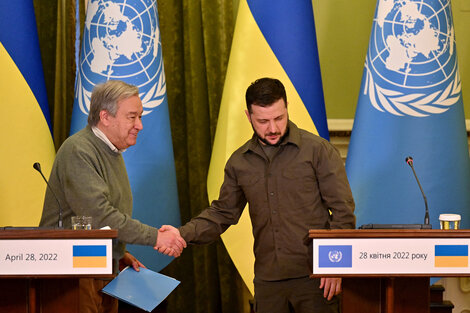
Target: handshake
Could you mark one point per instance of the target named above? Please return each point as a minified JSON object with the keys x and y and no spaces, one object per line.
{"x":169,"y":241}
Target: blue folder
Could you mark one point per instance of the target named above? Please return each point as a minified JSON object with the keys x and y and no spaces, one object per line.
{"x":145,"y":289}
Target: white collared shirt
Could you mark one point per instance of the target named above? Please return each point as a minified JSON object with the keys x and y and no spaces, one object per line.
{"x":105,"y":139}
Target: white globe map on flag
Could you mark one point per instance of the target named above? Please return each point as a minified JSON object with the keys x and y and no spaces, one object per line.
{"x":411,"y":63}
{"x":121,"y":43}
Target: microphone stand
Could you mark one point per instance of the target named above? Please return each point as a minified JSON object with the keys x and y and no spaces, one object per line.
{"x":37,"y":167}
{"x":409,"y":161}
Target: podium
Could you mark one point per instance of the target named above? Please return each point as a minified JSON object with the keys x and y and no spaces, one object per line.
{"x":40,"y":268}
{"x":388,"y":270}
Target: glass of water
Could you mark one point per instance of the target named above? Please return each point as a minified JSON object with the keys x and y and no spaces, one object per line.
{"x":81,"y":222}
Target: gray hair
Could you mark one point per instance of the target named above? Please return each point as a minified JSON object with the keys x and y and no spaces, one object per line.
{"x":106,"y":96}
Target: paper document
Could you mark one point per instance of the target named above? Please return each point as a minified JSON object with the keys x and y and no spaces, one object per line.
{"x":145,"y":289}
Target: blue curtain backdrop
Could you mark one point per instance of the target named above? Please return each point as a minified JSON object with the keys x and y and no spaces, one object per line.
{"x":121,"y":41}
{"x":410,"y":104}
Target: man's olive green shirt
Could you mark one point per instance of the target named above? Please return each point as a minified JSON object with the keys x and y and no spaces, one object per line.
{"x":296,"y":191}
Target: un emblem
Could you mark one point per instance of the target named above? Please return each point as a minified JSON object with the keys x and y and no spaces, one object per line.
{"x":122,"y":41}
{"x":335,"y":256}
{"x":411,"y":64}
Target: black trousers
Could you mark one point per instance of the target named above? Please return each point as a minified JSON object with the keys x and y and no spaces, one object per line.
{"x":299,"y":295}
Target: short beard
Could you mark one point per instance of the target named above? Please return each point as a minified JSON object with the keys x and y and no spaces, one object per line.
{"x":266,"y":142}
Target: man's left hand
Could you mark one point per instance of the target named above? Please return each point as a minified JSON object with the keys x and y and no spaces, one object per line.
{"x":331,"y":287}
{"x":130,"y":260}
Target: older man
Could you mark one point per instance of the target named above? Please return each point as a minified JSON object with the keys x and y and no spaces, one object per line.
{"x":89,"y":178}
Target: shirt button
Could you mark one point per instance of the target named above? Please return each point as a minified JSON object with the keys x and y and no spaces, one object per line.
{"x":271,"y":193}
{"x":274,"y":211}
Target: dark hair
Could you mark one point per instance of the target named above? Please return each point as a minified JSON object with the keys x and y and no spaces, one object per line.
{"x":105,"y":96}
{"x":264,"y":92}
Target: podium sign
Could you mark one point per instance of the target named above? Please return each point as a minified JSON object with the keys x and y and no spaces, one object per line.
{"x":40,"y":269}
{"x":388,"y":270}
{"x":391,"y":256}
{"x":55,"y":256}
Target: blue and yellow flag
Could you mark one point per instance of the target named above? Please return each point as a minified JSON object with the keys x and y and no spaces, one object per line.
{"x":410,"y":104}
{"x":89,"y":256}
{"x":24,"y":114}
{"x":271,"y":39}
{"x":121,"y":41}
{"x":451,"y":256}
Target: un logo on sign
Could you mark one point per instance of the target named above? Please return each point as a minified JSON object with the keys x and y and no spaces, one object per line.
{"x":411,"y":62}
{"x":121,"y":41}
{"x":335,"y":256}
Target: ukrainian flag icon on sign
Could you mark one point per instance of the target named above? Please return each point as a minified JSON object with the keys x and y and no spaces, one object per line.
{"x":451,"y":255}
{"x":89,"y":256}
{"x":335,"y":256}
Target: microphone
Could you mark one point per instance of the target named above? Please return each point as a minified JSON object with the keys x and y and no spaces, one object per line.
{"x":409,"y":161}
{"x":37,"y":167}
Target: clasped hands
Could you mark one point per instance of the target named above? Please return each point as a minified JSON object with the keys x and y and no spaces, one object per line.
{"x":169,"y":241}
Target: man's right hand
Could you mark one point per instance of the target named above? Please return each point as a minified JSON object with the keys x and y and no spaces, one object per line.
{"x":169,"y":241}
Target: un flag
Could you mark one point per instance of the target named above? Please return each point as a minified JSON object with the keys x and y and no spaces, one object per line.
{"x":410,"y":104}
{"x":121,"y":41}
{"x":335,"y":256}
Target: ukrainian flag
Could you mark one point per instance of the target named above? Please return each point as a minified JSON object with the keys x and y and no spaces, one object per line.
{"x":24,"y":114}
{"x":89,"y":256}
{"x":451,"y":256}
{"x":271,"y":39}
